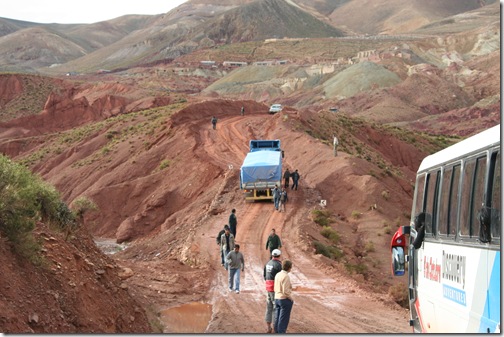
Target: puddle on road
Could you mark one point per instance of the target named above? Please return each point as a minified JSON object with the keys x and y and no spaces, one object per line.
{"x":188,"y":318}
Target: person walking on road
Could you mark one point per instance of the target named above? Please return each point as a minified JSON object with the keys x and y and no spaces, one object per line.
{"x":283,"y":298}
{"x":295,"y":179}
{"x":242,"y":111}
{"x":227,"y":244}
{"x":283,"y":200}
{"x":286,"y":177}
{"x":218,"y":239}
{"x":236,"y":262}
{"x":214,"y":122}
{"x":273,"y":242}
{"x":276,"y":196}
{"x":273,"y":267}
{"x":233,"y":221}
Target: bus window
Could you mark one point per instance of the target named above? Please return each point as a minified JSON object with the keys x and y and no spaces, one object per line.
{"x":495,"y":202}
{"x":449,"y":199}
{"x":478,"y":192}
{"x":419,"y":195}
{"x":466,"y":192}
{"x":473,"y":187}
{"x":454,"y":197}
{"x":444,"y":210}
{"x":445,"y":201}
{"x":431,"y":201}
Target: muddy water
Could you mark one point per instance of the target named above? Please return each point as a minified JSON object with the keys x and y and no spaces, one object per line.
{"x":109,"y":246}
{"x":188,"y":318}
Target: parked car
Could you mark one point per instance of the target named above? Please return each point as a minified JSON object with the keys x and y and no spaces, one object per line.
{"x":275,"y":108}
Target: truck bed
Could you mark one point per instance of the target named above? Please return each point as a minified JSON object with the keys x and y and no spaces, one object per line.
{"x":261,"y":170}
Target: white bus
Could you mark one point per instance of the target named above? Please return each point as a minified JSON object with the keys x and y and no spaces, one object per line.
{"x":451,"y":250}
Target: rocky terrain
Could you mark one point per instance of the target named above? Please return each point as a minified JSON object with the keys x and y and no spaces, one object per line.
{"x":138,"y":142}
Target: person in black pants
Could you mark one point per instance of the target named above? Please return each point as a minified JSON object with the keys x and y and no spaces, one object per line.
{"x":295,"y":179}
{"x":233,"y":222}
{"x":286,"y":177}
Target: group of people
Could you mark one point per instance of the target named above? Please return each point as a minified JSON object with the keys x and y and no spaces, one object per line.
{"x":276,"y":274}
{"x":279,"y":300}
{"x":214,"y":119}
{"x":295,"y":179}
{"x":231,"y":257}
{"x":279,"y":198}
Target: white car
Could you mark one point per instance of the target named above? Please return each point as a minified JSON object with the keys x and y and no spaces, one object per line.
{"x":275,"y":108}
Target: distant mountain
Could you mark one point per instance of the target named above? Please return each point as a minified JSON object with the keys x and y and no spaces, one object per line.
{"x":135,"y":40}
{"x":397,"y":16}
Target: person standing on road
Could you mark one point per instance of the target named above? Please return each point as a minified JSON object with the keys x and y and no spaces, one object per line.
{"x":233,"y":221}
{"x":276,"y":196}
{"x":273,"y":267}
{"x":335,"y":145}
{"x":286,"y":177}
{"x":227,"y":244}
{"x":295,"y":179}
{"x":242,"y":111}
{"x":283,"y":199}
{"x":236,"y":262}
{"x":218,"y":239}
{"x":283,"y":298}
{"x":214,"y":122}
{"x":273,"y":242}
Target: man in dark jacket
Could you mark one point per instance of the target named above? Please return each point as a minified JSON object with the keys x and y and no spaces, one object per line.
{"x":227,"y":244}
{"x":271,"y":268}
{"x":295,"y":179}
{"x":273,"y":242}
{"x":233,"y":222}
{"x":286,"y":177}
{"x":218,"y":238}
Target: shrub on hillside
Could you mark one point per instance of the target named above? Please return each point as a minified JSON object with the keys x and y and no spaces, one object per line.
{"x":321,"y":217}
{"x":331,"y":234}
{"x":24,"y":200}
{"x":328,"y":251}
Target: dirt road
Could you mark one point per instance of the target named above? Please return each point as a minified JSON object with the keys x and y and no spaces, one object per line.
{"x":323,"y":303}
{"x":326,"y":301}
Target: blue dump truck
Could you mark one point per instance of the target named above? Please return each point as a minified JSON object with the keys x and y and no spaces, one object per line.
{"x":261,"y":169}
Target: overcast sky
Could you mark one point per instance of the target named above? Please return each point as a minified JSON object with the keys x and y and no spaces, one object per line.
{"x":81,"y":11}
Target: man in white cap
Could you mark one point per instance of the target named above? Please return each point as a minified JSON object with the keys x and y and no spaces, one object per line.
{"x":271,"y":268}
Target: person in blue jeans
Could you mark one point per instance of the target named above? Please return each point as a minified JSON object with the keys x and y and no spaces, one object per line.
{"x":283,"y":298}
{"x":235,"y":262}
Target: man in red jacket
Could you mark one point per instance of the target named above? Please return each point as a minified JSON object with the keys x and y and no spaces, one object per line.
{"x":271,"y":268}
